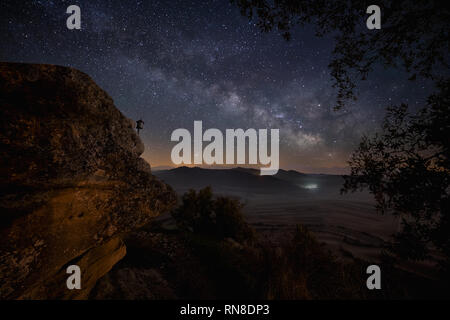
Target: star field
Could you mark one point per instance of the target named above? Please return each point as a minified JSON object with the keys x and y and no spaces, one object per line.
{"x":173,"y":62}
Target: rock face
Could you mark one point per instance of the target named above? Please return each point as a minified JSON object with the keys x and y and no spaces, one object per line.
{"x":72,"y":181}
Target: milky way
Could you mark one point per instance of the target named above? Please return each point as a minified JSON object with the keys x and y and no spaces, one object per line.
{"x":173,"y":62}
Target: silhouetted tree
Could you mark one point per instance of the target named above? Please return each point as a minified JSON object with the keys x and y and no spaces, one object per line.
{"x":406,"y":166}
{"x":414,"y":33}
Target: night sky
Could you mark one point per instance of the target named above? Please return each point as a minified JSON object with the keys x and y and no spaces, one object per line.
{"x":173,"y":62}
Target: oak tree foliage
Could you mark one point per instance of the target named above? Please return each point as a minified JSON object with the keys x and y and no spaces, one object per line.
{"x":414,"y":35}
{"x":405,"y":165}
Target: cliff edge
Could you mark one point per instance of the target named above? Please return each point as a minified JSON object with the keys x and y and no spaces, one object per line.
{"x":72,"y":181}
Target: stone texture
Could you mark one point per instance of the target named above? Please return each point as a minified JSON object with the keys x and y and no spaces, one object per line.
{"x":133,"y":284}
{"x":71,"y":180}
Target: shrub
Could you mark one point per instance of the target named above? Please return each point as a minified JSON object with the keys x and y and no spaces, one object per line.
{"x":301,"y":268}
{"x":218,"y":218}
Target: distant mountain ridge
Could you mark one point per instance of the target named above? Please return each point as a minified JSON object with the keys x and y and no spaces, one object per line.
{"x":246,"y":180}
{"x":185,"y":178}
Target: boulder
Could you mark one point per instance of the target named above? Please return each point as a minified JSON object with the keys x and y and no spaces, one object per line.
{"x":72,"y":181}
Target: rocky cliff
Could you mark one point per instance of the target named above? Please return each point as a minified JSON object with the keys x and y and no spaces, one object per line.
{"x":72,"y":181}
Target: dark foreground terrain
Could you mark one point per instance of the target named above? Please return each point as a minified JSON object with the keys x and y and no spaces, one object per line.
{"x":306,"y":243}
{"x":276,"y":204}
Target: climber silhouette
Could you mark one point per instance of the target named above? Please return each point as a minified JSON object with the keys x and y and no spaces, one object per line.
{"x":139,"y":125}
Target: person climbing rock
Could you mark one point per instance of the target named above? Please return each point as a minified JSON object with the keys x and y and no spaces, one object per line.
{"x":139,"y":125}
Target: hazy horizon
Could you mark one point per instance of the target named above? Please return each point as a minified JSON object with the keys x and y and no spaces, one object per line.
{"x":331,"y":171}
